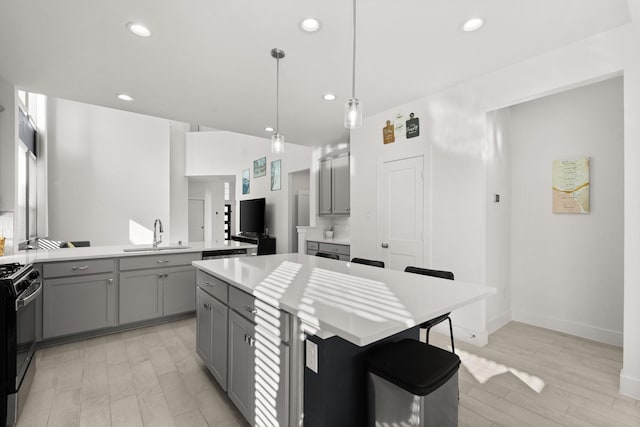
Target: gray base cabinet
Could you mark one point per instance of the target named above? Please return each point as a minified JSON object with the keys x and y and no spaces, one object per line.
{"x":211,"y":335}
{"x":141,"y":295}
{"x":78,"y":296}
{"x":78,"y":304}
{"x":148,"y":293}
{"x":250,"y":359}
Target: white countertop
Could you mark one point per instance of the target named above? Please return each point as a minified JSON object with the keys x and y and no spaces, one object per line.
{"x":359,"y":303}
{"x":67,"y":254}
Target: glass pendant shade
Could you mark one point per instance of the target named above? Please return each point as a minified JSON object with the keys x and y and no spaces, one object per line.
{"x":277,"y":143}
{"x":352,"y":114}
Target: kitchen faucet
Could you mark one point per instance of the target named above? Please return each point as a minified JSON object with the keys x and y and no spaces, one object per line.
{"x":156,"y":238}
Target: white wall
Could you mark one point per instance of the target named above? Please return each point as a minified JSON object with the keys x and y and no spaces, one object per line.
{"x":228,"y":153}
{"x":179,"y":184}
{"x":567,"y":270}
{"x":454,"y":142}
{"x":106,"y":168}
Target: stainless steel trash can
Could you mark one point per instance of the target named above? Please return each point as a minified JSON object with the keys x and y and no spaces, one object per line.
{"x":413,"y":384}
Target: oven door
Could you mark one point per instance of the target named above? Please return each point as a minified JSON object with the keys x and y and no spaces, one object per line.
{"x":26,"y":329}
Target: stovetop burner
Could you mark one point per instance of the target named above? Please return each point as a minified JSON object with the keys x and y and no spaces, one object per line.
{"x":8,"y":269}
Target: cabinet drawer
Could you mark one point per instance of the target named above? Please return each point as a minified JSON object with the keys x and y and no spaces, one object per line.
{"x":312,"y":246}
{"x":334,"y":249}
{"x":77,"y":268}
{"x":273,"y":320}
{"x":212,"y":286}
{"x":158,"y":260}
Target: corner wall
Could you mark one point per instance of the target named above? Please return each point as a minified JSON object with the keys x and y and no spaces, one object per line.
{"x":567,"y":269}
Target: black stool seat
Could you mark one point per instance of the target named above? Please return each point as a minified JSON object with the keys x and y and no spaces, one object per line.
{"x":414,"y":366}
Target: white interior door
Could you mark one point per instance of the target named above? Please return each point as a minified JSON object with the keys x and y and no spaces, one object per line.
{"x":401,"y":213}
{"x":196,"y":220}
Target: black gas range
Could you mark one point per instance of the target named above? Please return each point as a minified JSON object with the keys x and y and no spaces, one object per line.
{"x":20,"y":286}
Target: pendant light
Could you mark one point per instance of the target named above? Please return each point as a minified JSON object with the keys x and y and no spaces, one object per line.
{"x":353,"y":108}
{"x":277,"y":140}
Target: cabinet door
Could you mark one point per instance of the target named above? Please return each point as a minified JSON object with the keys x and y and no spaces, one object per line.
{"x":242,"y":378}
{"x":204,"y":322}
{"x":78,"y":304}
{"x":140,"y":295}
{"x":219,"y":347}
{"x":341,"y":185}
{"x":324,"y":188}
{"x":179,"y":290}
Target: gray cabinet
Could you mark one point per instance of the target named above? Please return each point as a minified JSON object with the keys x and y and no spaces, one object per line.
{"x":258,"y":359}
{"x":78,"y":303}
{"x":334,"y":186}
{"x":179,"y":290}
{"x":156,"y":285}
{"x":244,"y":344}
{"x":151,"y":293}
{"x":211,"y":335}
{"x":343,"y":251}
{"x":242,"y":378}
{"x":141,"y":295}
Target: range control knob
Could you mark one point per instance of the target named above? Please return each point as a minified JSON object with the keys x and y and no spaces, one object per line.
{"x":34,"y":275}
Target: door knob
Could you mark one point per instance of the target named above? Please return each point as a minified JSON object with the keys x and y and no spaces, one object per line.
{"x":385,"y":245}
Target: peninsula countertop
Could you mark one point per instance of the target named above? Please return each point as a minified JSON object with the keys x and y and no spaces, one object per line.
{"x":116,"y":251}
{"x":359,"y":303}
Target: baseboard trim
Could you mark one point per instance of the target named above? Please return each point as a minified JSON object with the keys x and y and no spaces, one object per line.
{"x":629,"y":386}
{"x":582,"y":330}
{"x":499,"y":321}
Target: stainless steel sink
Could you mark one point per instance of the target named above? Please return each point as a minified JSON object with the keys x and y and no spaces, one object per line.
{"x":152,"y":249}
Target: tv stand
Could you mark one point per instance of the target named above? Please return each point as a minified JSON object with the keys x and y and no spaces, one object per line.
{"x":266,"y":244}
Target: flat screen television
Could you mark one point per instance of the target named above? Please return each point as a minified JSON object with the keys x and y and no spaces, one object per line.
{"x":252,"y":216}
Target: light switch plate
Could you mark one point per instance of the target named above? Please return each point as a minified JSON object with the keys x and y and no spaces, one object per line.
{"x":311,"y":355}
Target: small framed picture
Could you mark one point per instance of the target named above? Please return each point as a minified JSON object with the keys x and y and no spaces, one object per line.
{"x":275,"y":175}
{"x":246,"y":181}
{"x":260,"y":167}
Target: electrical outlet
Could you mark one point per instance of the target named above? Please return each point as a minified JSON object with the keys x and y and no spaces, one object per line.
{"x":311,"y":355}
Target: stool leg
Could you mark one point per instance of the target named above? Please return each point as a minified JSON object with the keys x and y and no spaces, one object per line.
{"x":427,"y":338}
{"x":453,"y":349}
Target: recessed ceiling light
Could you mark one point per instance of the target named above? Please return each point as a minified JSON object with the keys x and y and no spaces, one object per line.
{"x":310,"y":25}
{"x":268,"y":129}
{"x":138,"y":29}
{"x":125,"y":97}
{"x":472,"y":24}
{"x":329,"y":97}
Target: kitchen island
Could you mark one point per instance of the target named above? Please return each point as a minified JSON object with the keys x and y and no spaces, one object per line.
{"x":299,"y":327}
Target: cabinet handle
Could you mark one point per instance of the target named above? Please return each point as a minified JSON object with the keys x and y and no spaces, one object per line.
{"x":164,"y":261}
{"x":384,"y":245}
{"x":249,"y":340}
{"x":207,"y":306}
{"x":208,"y":284}
{"x":110,"y":282}
{"x":84,"y":267}
{"x":250,"y":309}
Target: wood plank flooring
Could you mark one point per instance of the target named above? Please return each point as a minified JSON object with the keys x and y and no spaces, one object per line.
{"x":153,"y":377}
{"x":146,"y":377}
{"x":581,"y":380}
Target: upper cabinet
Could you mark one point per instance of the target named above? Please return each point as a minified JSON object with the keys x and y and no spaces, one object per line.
{"x":334,"y":186}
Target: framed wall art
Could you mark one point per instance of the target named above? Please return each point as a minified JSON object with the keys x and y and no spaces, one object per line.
{"x":246,"y":181}
{"x":276,"y":170}
{"x":260,"y":167}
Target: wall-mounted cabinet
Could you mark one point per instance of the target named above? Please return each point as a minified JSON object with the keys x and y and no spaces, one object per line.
{"x":334,"y":186}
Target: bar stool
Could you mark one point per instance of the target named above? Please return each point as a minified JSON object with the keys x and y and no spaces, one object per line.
{"x":436,"y":320}
{"x":371,"y":262}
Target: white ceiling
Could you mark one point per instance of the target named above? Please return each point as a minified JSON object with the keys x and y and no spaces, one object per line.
{"x":208,"y":62}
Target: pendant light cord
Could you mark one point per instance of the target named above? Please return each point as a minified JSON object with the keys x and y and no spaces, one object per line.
{"x":277,"y":96}
{"x":353,"y":77}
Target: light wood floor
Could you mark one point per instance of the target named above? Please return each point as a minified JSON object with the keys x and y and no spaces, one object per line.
{"x":581,"y":380}
{"x":145,"y":377}
{"x":153,"y":377}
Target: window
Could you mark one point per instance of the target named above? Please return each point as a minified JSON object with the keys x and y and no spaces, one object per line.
{"x":27,"y":173}
{"x":227,"y":222}
{"x":226,"y":191}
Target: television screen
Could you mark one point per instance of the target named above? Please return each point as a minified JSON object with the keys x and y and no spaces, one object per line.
{"x":252,"y":216}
